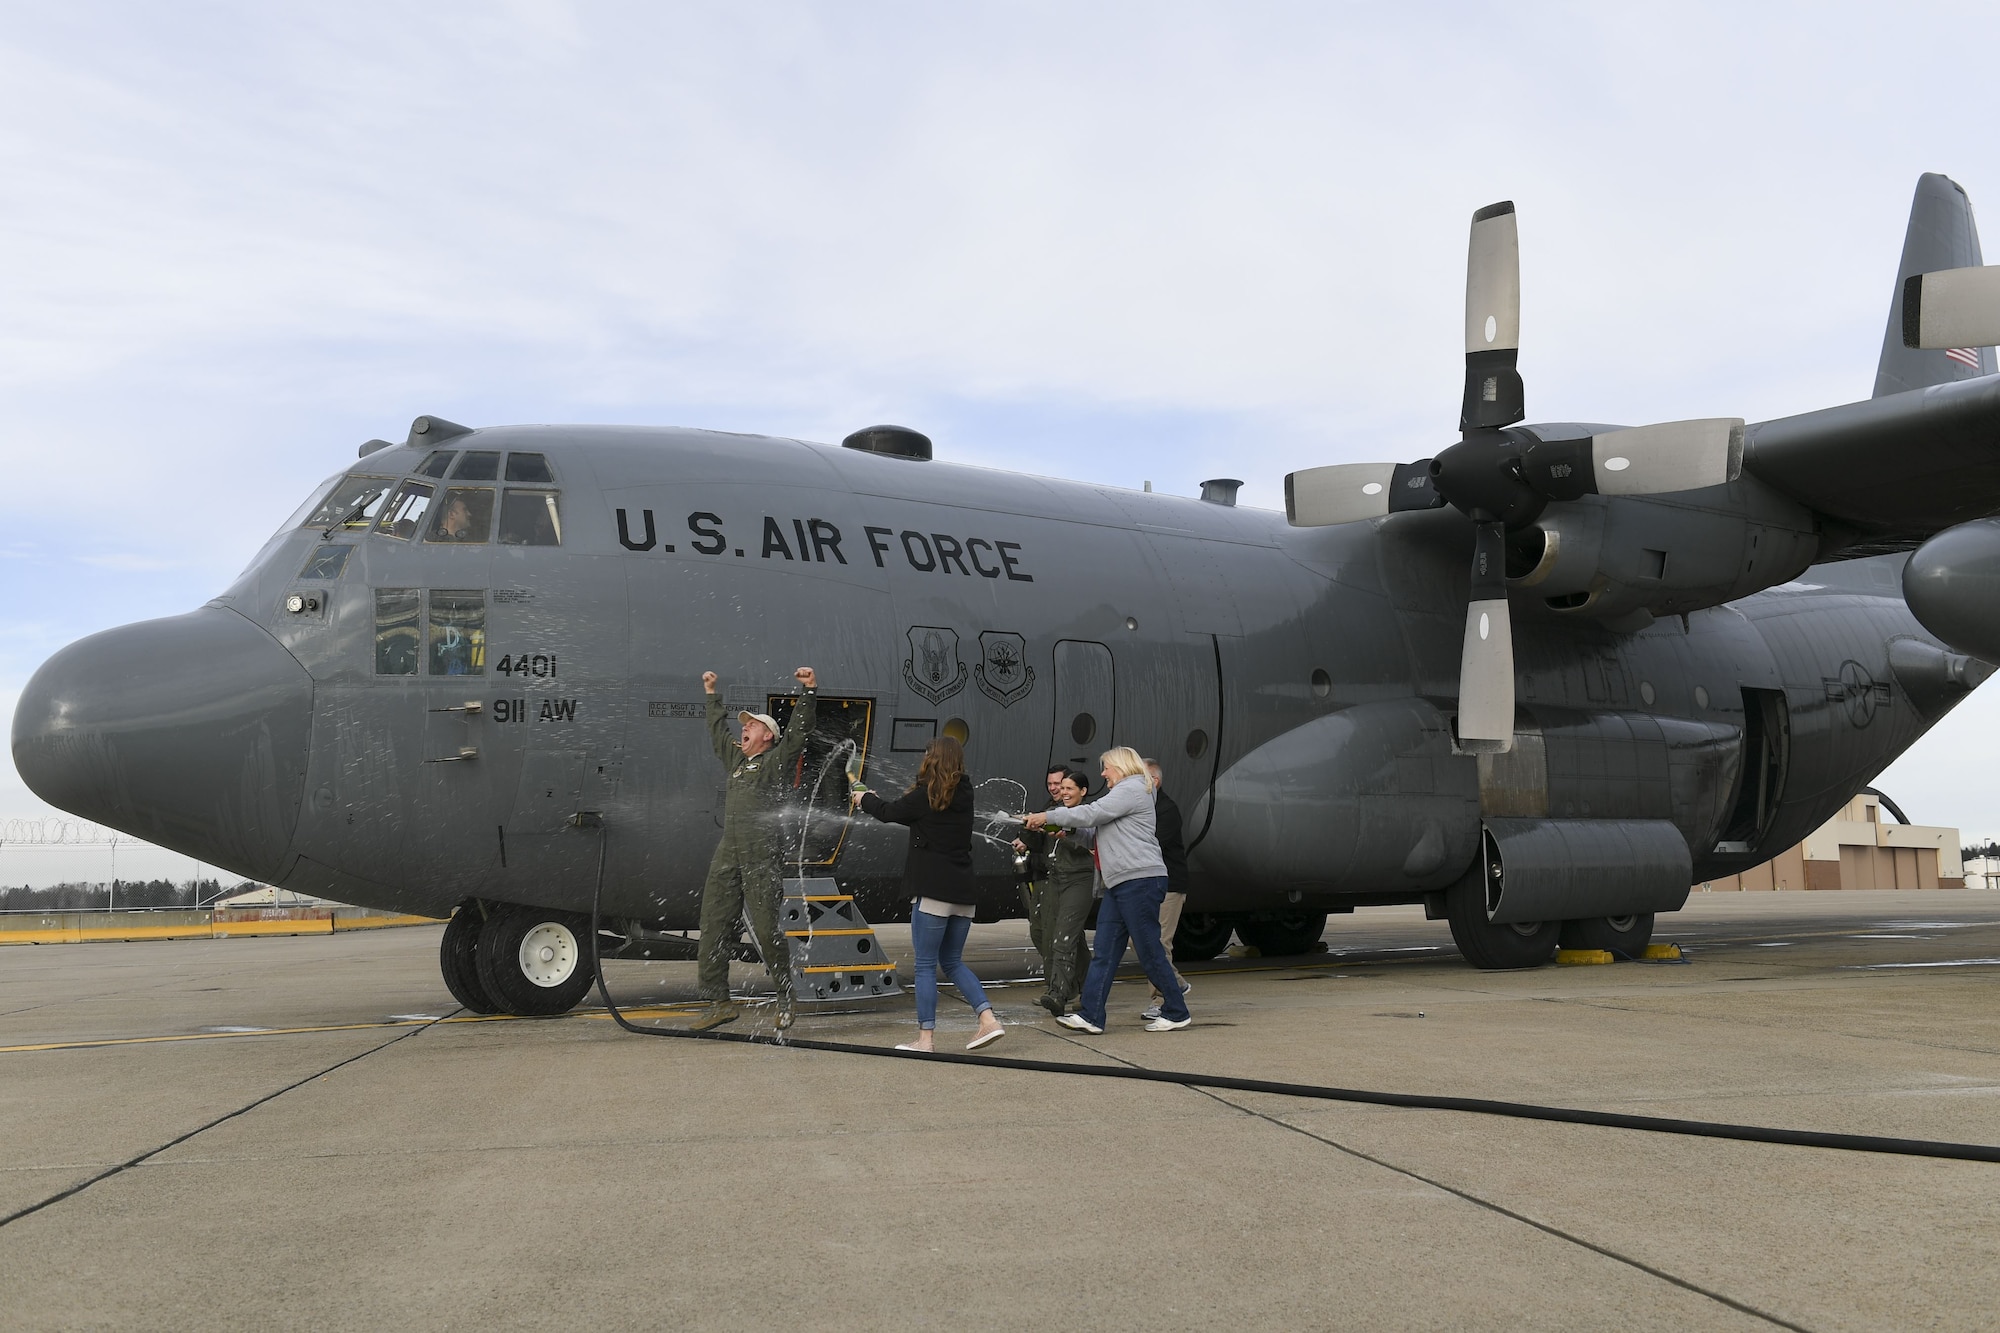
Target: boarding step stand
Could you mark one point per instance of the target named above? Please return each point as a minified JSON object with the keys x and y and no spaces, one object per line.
{"x":836,"y":954}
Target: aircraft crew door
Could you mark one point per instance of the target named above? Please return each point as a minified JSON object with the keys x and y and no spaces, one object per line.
{"x":1085,"y":704}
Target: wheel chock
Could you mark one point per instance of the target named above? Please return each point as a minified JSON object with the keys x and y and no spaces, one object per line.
{"x":1582,"y":957}
{"x":1245,"y":951}
{"x":1662,"y":953}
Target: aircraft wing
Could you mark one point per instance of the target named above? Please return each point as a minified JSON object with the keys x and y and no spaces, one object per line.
{"x":1894,"y":469}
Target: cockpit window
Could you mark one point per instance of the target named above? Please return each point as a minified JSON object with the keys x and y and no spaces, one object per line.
{"x":435,"y":465}
{"x":405,"y":513}
{"x":530,"y":518}
{"x":464,"y":515}
{"x":397,"y":612}
{"x":477,"y":465}
{"x":353,"y":504}
{"x":529,"y":467}
{"x":325,"y":562}
{"x":458,"y":634}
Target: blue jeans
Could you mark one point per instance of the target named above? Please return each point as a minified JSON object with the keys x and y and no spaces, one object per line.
{"x":1131,"y":911}
{"x":940,"y":942}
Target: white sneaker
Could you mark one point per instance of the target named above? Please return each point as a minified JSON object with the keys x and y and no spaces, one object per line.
{"x":1078,"y":1023}
{"x":1167,"y":1025}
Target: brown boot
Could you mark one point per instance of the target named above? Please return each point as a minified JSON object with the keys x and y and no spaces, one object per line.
{"x":717,"y":1013}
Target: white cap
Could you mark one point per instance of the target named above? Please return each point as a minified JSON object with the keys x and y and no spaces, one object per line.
{"x":770,"y":723}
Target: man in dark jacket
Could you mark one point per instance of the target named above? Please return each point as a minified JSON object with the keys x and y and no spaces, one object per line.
{"x":746,"y":876}
{"x":1167,"y":825}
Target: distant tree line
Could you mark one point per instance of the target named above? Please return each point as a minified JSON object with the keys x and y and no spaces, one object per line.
{"x":121,"y":893}
{"x":1983,"y":849}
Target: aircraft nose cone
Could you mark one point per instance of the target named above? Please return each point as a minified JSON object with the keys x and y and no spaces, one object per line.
{"x":191,"y":732}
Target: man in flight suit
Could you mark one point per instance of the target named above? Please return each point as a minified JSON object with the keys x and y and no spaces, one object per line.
{"x":746,"y":876}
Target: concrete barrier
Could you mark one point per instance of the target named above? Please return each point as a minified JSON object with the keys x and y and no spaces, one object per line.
{"x":192,"y":924}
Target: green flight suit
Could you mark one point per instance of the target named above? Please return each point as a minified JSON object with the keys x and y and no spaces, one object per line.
{"x":746,"y":875}
{"x":1066,"y":880}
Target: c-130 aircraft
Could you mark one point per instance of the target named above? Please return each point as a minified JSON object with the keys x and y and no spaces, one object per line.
{"x":1681,"y":648}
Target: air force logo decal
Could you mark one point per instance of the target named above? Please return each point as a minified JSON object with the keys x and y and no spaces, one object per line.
{"x":1003,"y":672}
{"x":932,"y":669}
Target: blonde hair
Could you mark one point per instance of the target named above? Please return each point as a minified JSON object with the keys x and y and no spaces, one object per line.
{"x":1126,"y":763}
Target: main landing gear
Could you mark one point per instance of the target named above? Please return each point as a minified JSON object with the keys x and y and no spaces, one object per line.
{"x":506,"y":958}
{"x":1203,"y":935}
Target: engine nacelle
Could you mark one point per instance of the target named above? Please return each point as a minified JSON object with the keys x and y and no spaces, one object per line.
{"x":1952,"y":584}
{"x":1613,"y":558}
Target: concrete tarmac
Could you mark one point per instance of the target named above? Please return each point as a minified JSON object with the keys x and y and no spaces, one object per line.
{"x":276,"y":1133}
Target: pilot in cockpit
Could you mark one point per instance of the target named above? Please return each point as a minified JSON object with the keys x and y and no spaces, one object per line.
{"x":455,"y":523}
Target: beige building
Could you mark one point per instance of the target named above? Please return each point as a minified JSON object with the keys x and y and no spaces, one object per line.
{"x":1859,"y":849}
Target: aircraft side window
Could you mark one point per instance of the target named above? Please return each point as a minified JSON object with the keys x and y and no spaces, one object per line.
{"x":326,"y":562}
{"x":353,"y":504}
{"x":397,"y":612}
{"x":529,"y":467}
{"x":530,"y":518}
{"x":465,"y":514}
{"x":477,"y":465}
{"x":458,"y":634}
{"x":437,"y":463}
{"x":405,"y":513}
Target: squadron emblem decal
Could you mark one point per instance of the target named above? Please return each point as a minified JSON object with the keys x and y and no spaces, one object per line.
{"x":1003,"y":672}
{"x":932,"y":669}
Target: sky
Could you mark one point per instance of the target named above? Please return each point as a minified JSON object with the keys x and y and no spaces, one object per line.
{"x":1120,"y":242}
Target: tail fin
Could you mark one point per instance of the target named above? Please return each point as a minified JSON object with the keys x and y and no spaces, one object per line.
{"x":1942,"y":235}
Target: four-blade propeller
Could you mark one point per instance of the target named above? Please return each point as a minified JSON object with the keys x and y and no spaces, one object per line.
{"x":1501,"y":478}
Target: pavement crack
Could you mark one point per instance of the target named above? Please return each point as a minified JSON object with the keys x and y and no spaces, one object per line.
{"x":224,"y":1118}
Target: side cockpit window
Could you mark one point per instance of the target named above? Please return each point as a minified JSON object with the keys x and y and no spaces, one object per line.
{"x":464,"y":515}
{"x":530,"y":518}
{"x":458,"y":634}
{"x":405,"y":513}
{"x":438,"y":463}
{"x":325,"y":562}
{"x":352,"y":505}
{"x":397,"y":613}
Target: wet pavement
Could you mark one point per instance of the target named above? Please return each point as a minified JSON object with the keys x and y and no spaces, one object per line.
{"x":316,"y":1137}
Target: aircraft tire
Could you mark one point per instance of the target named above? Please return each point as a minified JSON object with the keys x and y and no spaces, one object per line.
{"x":1282,"y":934}
{"x":1488,"y":947}
{"x":1627,"y":935}
{"x":1202,"y":935}
{"x":458,"y":961}
{"x":535,"y":961}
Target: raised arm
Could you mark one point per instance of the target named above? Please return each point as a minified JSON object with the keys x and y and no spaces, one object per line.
{"x":1121,"y":800}
{"x":718,"y":720}
{"x":805,"y":715}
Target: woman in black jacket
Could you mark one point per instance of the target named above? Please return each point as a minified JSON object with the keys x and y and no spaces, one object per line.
{"x":938,"y":810}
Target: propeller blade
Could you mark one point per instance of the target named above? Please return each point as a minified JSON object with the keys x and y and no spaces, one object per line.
{"x":1486,"y":666}
{"x":1493,"y":392}
{"x":1671,"y":456}
{"x":1645,"y":460}
{"x":1955,"y":307}
{"x":1319,"y":497}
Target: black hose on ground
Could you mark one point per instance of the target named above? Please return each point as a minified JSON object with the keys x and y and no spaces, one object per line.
{"x":1650,"y":1124}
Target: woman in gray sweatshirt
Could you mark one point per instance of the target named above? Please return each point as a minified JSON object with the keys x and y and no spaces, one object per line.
{"x":1134,"y":879}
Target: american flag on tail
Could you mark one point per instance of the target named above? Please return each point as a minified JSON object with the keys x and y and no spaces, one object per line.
{"x":1965,"y":356}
